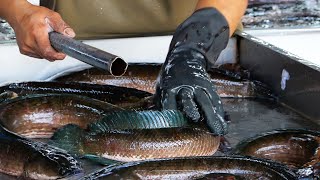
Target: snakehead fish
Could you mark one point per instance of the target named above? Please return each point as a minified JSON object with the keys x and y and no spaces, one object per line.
{"x":148,"y":135}
{"x":38,"y":116}
{"x":298,"y":149}
{"x":111,"y":94}
{"x":196,"y":168}
{"x":143,"y":77}
{"x":25,"y":159}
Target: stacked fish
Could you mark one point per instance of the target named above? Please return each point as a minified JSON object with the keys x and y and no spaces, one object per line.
{"x":114,"y":124}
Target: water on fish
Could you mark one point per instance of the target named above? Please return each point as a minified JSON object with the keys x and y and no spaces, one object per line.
{"x":249,"y":118}
{"x":282,"y":13}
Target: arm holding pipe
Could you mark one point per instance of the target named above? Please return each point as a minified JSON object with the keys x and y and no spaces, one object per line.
{"x":31,"y":25}
{"x":88,"y":54}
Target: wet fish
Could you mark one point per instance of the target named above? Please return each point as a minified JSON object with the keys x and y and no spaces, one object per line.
{"x":38,"y":116}
{"x":254,"y":2}
{"x":282,"y":14}
{"x":112,"y":94}
{"x":227,"y":88}
{"x":297,"y":149}
{"x":26,"y":159}
{"x":139,"y":144}
{"x":219,"y":176}
{"x":196,"y":168}
{"x":143,"y":77}
{"x":148,"y":135}
{"x":125,"y":120}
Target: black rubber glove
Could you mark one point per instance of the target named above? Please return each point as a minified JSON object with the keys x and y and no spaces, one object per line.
{"x":184,"y":83}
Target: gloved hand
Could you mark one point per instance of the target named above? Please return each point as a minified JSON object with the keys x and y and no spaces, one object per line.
{"x":184,"y":83}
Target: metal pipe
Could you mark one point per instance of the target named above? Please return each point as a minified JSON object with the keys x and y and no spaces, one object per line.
{"x":88,"y":54}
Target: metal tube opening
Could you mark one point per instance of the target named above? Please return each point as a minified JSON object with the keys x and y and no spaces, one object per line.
{"x":118,"y":67}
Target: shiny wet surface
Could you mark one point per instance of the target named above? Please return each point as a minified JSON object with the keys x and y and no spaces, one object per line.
{"x":280,"y":14}
{"x":248,"y":118}
{"x":252,"y":117}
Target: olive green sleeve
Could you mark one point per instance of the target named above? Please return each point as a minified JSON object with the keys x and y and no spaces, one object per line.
{"x":122,"y":18}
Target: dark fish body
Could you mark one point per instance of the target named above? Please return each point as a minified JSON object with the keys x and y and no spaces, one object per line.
{"x":38,"y":116}
{"x":148,"y":135}
{"x":294,"y":148}
{"x":219,"y":176}
{"x":137,"y":144}
{"x":277,"y":14}
{"x":143,"y":77}
{"x":255,"y":2}
{"x":134,"y":145}
{"x":124,"y":120}
{"x":112,"y":94}
{"x":298,"y":149}
{"x":236,"y":89}
{"x":23,"y":158}
{"x":196,"y":168}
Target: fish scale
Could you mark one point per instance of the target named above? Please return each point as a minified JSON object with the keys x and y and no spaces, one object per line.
{"x":38,"y":116}
{"x":150,"y":144}
{"x":297,"y":148}
{"x":139,"y":120}
{"x":144,"y":77}
{"x":114,"y":136}
{"x":195,"y":168}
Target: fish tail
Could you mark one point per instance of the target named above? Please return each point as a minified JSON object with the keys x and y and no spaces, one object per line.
{"x":70,"y":138}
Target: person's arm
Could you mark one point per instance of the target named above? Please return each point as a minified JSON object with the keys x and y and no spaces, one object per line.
{"x":232,"y":10}
{"x":31,"y":25}
{"x":184,"y":83}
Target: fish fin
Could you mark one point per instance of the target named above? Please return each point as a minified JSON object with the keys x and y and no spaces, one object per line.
{"x":100,"y":160}
{"x":69,"y":138}
{"x":122,"y":120}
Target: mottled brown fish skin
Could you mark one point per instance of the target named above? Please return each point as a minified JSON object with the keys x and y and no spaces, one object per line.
{"x":229,"y":88}
{"x":219,"y":176}
{"x":39,"y":116}
{"x":17,"y":160}
{"x":196,"y":167}
{"x":132,"y":145}
{"x":293,"y":149}
{"x":143,"y":77}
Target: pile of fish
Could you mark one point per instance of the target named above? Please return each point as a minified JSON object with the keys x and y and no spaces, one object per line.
{"x":143,"y":77}
{"x":112,"y":121}
{"x":282,"y":14}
